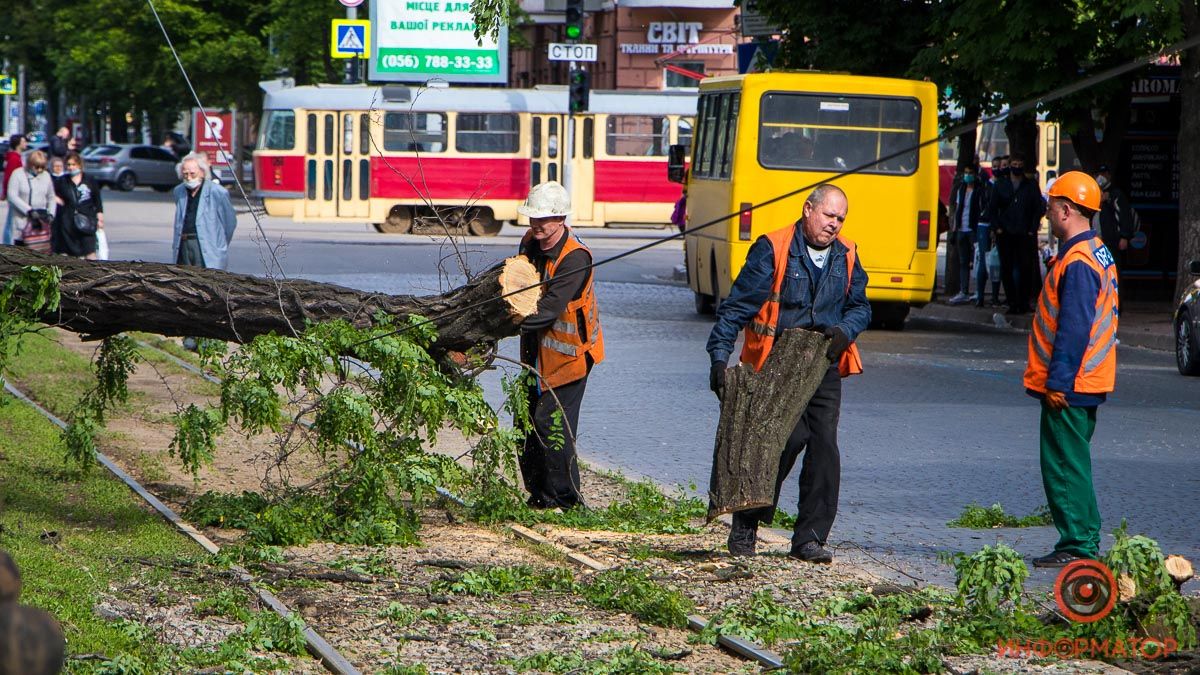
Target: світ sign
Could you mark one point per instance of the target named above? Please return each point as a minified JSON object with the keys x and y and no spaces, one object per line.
{"x":350,"y":38}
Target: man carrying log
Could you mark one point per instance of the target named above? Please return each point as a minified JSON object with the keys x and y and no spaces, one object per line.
{"x":561,"y":342}
{"x":801,"y":276}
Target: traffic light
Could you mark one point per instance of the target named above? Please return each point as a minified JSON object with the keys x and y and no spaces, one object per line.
{"x":580,"y":85}
{"x":574,"y":19}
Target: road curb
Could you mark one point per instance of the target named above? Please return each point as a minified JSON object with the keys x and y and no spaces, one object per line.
{"x":1131,"y":334}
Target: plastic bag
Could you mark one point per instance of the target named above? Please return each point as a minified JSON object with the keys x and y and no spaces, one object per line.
{"x":101,"y":245}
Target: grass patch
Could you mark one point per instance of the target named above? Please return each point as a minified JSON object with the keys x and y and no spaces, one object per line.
{"x":628,"y":660}
{"x":53,"y":375}
{"x":109,"y":541}
{"x":976,"y":517}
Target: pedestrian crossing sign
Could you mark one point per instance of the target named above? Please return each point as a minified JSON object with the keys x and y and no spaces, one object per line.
{"x":350,"y":38}
{"x":8,"y":85}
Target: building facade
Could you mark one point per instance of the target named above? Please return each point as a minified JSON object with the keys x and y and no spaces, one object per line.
{"x":643,"y":44}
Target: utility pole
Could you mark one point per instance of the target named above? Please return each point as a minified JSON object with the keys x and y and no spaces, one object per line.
{"x":352,"y":64}
{"x":22,"y":88}
{"x":578,"y":83}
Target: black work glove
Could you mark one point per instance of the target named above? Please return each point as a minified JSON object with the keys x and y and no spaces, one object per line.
{"x":716,"y":378}
{"x":838,"y":342}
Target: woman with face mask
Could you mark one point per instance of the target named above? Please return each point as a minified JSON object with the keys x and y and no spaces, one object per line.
{"x":30,"y":194}
{"x":81,"y":213}
{"x":204,"y":217}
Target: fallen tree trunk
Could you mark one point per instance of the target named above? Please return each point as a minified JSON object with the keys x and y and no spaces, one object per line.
{"x":758,"y":412}
{"x":100,"y":299}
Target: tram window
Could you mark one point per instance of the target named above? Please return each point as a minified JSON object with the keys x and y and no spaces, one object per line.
{"x":684,"y":132}
{"x":535,"y":173}
{"x":589,"y":136}
{"x":329,"y":134}
{"x":312,"y":134}
{"x":637,"y":136}
{"x":487,"y":132}
{"x":279,"y":130}
{"x":364,"y":178}
{"x":312,"y":178}
{"x":414,"y":132}
{"x":552,"y":138}
{"x":364,"y":134}
{"x":328,"y":180}
{"x":537,"y":139}
{"x":830,"y":132}
{"x":1051,"y":145}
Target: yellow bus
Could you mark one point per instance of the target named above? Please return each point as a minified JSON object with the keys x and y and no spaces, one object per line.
{"x":762,"y":135}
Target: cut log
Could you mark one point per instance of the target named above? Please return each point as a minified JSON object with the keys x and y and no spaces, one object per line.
{"x":758,"y":412}
{"x":100,"y":299}
{"x":1180,"y":569}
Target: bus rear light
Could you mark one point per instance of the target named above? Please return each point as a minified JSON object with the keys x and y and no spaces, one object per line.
{"x":896,"y":280}
{"x":923,"y":230}
{"x":744,"y":221}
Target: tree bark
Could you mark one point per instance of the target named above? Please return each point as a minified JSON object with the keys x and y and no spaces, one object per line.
{"x":99,"y":299}
{"x":1189,"y":141}
{"x":758,"y":412}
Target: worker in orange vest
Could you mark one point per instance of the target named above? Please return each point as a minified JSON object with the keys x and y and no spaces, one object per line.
{"x":560,"y":342}
{"x":1073,"y":364}
{"x":802,"y":276}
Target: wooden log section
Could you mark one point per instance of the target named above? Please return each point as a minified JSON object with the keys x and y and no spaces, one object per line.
{"x":758,"y":412}
{"x":100,"y":299}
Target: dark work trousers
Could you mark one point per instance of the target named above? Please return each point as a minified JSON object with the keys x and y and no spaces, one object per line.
{"x":821,"y":471}
{"x":189,"y":252}
{"x":1015,"y":269}
{"x":547,"y":461}
{"x":1035,"y":268}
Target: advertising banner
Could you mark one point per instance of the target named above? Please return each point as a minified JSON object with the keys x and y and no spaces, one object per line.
{"x":421,"y":40}
{"x":213,"y":131}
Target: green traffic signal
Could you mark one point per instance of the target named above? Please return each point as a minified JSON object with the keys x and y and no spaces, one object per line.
{"x":574,"y":32}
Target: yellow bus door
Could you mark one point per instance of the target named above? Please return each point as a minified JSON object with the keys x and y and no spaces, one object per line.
{"x":583,"y":178}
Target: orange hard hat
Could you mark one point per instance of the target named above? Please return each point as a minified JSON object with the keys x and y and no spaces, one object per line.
{"x":1078,"y":187}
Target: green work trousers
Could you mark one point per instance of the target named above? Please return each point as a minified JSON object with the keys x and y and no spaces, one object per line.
{"x":1067,"y":477}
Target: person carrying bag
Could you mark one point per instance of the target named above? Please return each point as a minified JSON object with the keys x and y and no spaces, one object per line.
{"x":31,"y":201}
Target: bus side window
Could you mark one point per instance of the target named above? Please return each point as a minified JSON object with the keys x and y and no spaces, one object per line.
{"x":730,"y":135}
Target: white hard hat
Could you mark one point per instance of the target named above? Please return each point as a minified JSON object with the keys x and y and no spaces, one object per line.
{"x":547,"y":200}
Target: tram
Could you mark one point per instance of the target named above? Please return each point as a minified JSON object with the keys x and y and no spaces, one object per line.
{"x":401,"y":157}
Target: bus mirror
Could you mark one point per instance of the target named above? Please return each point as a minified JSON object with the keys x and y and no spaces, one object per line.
{"x":676,"y":169}
{"x":1194,"y":267}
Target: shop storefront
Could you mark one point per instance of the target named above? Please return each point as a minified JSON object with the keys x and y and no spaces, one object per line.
{"x":643,"y":44}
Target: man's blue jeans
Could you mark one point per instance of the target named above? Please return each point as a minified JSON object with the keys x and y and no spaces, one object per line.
{"x":983,"y":244}
{"x":966,"y":252}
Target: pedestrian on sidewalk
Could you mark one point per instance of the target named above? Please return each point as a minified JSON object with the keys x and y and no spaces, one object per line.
{"x":1073,"y":364}
{"x":81,"y":213}
{"x":1017,"y":210}
{"x":804,"y":275}
{"x":12,"y":162}
{"x":967,"y":203}
{"x":31,"y":198}
{"x":204,"y":216}
{"x":561,"y":342}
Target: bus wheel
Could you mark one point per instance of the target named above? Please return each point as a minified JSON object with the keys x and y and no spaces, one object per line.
{"x":889,"y":315}
{"x":399,"y":221}
{"x":716,"y":289}
{"x":483,"y":223}
{"x":705,"y":305}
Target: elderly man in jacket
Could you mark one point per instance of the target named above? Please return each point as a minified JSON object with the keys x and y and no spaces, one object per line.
{"x":204,"y":217}
{"x":814,"y":276}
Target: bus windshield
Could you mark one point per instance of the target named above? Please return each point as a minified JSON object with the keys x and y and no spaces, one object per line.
{"x":827,"y":132}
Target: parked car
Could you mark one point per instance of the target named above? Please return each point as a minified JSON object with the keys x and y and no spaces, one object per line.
{"x":1187,"y":326}
{"x":126,"y":166}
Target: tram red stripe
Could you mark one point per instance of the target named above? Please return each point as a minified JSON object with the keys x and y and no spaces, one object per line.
{"x":280,"y":173}
{"x":449,"y":177}
{"x":621,"y":181}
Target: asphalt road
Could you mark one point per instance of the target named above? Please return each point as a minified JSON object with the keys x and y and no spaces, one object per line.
{"x":939,"y":419}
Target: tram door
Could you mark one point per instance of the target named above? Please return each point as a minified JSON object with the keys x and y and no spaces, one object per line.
{"x":337,"y":165}
{"x":546,"y":149}
{"x":583,"y":177}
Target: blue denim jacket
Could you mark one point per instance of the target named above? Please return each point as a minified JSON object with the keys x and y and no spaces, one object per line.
{"x":800,"y":305}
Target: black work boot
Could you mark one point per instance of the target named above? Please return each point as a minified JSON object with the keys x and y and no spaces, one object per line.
{"x":743,"y":536}
{"x":813,"y":552}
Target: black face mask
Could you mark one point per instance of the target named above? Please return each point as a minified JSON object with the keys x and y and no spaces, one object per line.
{"x":1018,"y":172}
{"x":1000,"y":172}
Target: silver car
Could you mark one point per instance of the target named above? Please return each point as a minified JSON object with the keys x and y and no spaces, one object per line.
{"x":1187,"y":326}
{"x":126,"y":166}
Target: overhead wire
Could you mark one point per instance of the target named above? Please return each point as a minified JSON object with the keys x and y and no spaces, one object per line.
{"x":954,"y":132}
{"x":208,"y":123}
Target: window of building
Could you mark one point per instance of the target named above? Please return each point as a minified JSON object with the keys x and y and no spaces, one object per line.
{"x":414,"y":132}
{"x":279,"y":130}
{"x":637,"y":136}
{"x":674,"y":80}
{"x":487,"y":132}
{"x":827,"y":132}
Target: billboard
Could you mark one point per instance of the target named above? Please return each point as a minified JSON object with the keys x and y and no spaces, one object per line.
{"x":214,"y":136}
{"x":421,"y":40}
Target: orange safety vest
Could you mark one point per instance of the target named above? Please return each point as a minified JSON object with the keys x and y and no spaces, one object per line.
{"x":760,"y":332}
{"x":1098,"y":370}
{"x":564,"y":347}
